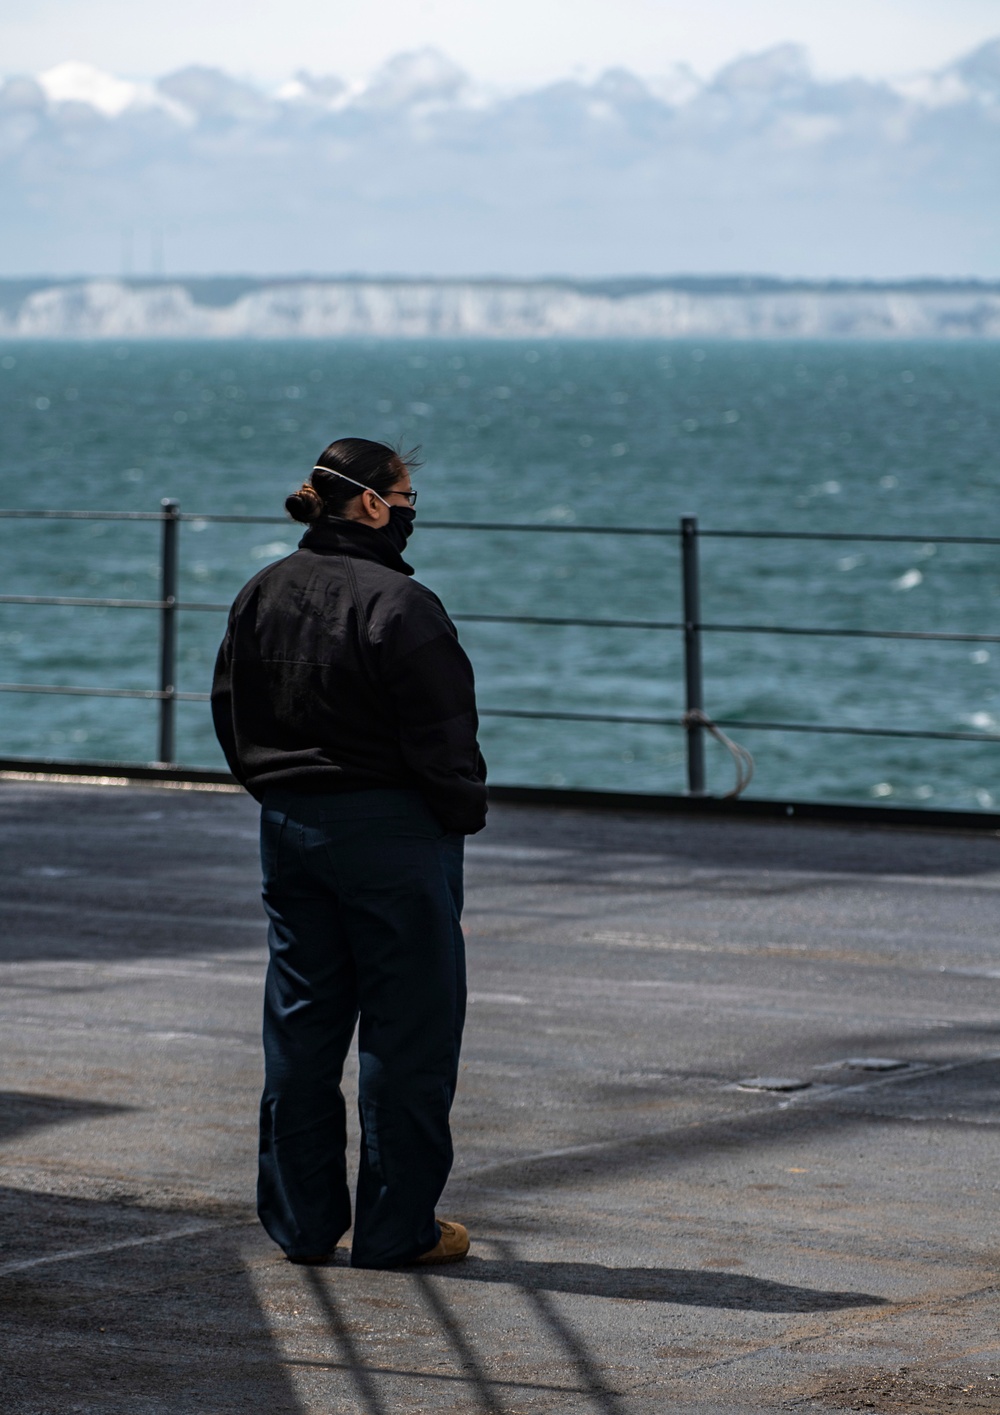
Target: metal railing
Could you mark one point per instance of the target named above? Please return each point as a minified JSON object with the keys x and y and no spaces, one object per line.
{"x":691,"y":625}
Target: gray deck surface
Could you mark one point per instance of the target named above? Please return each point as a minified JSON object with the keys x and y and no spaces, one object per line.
{"x":647,"y":1237}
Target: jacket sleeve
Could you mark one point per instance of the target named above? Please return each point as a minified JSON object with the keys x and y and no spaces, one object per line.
{"x":222,"y":704}
{"x":430,"y":685}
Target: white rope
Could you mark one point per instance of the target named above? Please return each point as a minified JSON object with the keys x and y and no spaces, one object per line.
{"x":742,"y":759}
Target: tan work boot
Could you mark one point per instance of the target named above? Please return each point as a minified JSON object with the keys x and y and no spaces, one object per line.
{"x":450,"y":1247}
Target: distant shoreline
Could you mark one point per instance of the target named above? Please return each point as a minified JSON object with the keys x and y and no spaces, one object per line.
{"x":635,"y":307}
{"x":222,"y":289}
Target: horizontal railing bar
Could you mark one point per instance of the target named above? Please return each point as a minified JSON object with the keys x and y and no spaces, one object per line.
{"x":545,"y":715}
{"x":240,"y":519}
{"x":851,"y":536}
{"x":731,"y":628}
{"x":205,"y":606}
{"x":554,"y":530}
{"x":74,"y":692}
{"x":82,"y":515}
{"x":430,"y":525}
{"x":59,"y":689}
{"x":850,"y":633}
{"x":70,"y":601}
{"x":532,"y":713}
{"x":546,"y":619}
{"x":828,"y":728}
{"x":556,"y":619}
{"x":832,"y":729}
{"x":83,"y":603}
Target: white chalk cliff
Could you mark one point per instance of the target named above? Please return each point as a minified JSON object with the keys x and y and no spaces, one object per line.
{"x":110,"y":309}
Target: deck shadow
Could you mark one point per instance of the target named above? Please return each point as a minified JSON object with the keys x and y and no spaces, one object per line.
{"x":22,"y":1110}
{"x":109,"y":1308}
{"x":595,"y":843}
{"x":947,"y":1094}
{"x":686,"y":1287}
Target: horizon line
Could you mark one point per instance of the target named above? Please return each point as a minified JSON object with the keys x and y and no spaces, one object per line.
{"x":622,"y":283}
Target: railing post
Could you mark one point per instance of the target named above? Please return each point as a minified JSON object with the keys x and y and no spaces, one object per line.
{"x":168,"y":627}
{"x":693,"y":689}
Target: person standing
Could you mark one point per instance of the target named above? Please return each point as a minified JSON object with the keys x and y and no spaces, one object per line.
{"x":345,"y":705}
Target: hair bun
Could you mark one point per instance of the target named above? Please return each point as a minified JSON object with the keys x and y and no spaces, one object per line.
{"x":306,"y":504}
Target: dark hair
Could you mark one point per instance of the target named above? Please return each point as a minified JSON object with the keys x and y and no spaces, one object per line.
{"x":372,"y":464}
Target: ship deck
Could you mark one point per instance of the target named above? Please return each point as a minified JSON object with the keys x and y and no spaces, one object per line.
{"x":648,"y":1235}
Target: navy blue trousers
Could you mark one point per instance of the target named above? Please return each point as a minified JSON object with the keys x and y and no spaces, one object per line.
{"x":364,"y":895}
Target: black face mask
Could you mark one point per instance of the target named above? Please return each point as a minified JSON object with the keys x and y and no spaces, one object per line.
{"x":399,"y":526}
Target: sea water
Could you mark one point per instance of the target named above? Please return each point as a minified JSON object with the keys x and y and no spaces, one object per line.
{"x":838,"y":437}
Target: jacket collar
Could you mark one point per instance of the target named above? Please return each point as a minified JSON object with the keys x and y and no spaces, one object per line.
{"x":335,"y":535}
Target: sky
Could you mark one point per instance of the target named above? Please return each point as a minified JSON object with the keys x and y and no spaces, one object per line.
{"x":509,"y":44}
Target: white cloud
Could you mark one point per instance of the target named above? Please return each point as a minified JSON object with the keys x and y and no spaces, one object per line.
{"x":762,"y":167}
{"x":83,"y":83}
{"x":109,"y":95}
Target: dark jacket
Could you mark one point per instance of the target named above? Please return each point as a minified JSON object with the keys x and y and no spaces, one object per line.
{"x":340,"y":673}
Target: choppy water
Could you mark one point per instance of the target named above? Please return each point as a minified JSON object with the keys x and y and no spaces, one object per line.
{"x":839,"y":437}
